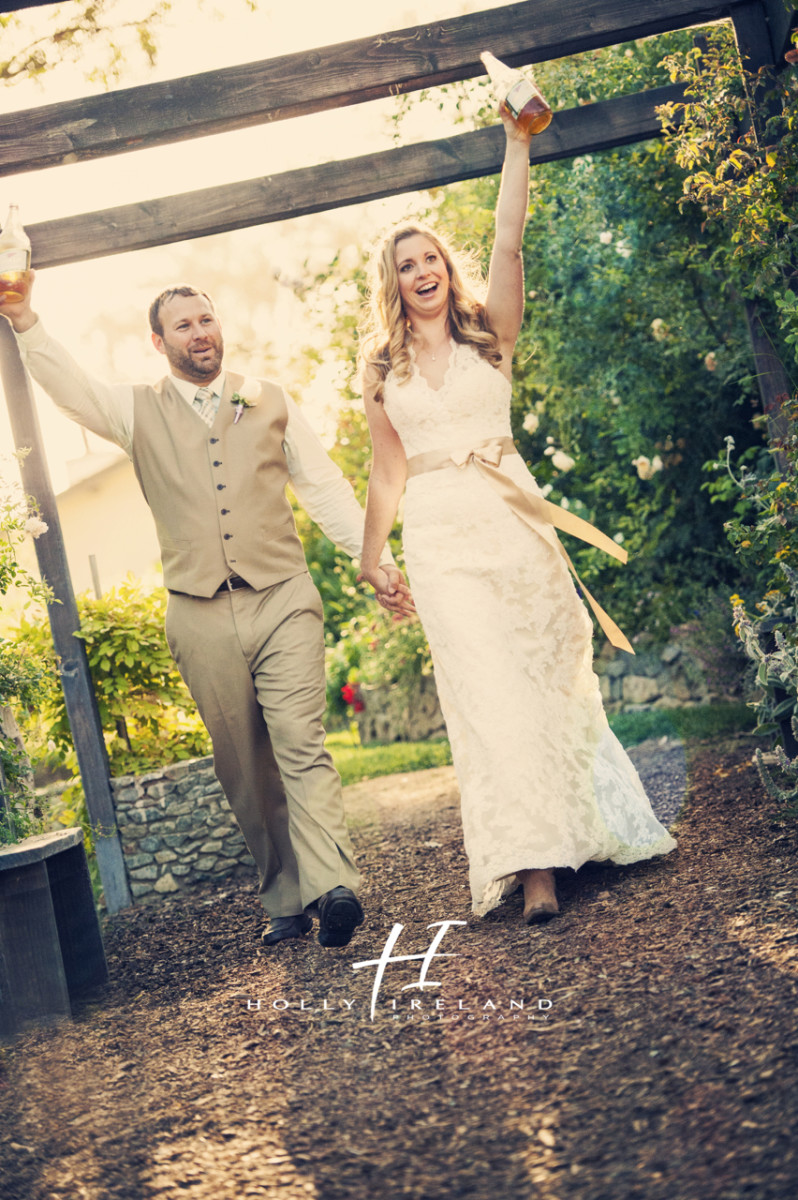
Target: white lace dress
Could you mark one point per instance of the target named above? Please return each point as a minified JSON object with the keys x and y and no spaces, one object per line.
{"x":543,"y":781}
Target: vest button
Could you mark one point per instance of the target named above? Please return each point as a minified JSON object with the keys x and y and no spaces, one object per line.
{"x":227,"y":537}
{"x":225,"y":511}
{"x":220,"y":486}
{"x":214,"y":441}
{"x":217,"y":463}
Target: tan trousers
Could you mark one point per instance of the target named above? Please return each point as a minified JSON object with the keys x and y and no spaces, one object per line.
{"x":254,"y":664}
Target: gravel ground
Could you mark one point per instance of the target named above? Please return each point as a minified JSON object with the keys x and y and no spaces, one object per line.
{"x":642,"y":1046}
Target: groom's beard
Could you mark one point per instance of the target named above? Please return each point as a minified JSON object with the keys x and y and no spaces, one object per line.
{"x":201,"y":361}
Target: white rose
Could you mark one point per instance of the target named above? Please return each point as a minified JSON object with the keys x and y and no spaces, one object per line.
{"x":549,"y":451}
{"x":710,"y":361}
{"x":605,"y":237}
{"x":642,"y":465}
{"x":659,"y":330}
{"x":656,"y":464}
{"x":531,"y":422}
{"x":249,"y":390}
{"x":36,"y":527}
{"x":562,"y":461}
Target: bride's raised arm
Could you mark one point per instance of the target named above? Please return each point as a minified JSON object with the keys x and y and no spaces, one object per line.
{"x":505,"y":302}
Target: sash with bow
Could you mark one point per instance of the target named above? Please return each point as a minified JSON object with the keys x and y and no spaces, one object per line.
{"x":533,"y":510}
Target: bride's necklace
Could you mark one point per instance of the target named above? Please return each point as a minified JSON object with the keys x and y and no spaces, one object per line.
{"x":433,"y":353}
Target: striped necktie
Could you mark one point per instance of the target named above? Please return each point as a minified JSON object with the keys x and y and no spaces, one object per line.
{"x":204,"y":405}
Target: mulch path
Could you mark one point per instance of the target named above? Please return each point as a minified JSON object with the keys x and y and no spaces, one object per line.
{"x":640,"y":1047}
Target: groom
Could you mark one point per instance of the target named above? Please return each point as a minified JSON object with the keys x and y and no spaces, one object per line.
{"x":213,"y":453}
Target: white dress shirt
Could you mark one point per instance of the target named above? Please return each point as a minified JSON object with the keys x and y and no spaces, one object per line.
{"x":107,"y":409}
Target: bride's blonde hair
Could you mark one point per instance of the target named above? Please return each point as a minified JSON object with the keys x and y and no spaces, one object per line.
{"x":385,"y":334}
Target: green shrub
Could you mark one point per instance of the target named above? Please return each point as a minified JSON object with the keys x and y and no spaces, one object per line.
{"x":147,"y":715}
{"x":23,"y":674}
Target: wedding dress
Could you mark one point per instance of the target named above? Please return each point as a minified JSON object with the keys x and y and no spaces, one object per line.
{"x":543,"y":780}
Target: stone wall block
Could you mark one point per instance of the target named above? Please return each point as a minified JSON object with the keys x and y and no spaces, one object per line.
{"x":139,"y":860}
{"x":175,"y":839}
{"x":125,"y":795}
{"x":221,"y":831}
{"x":150,"y":872}
{"x":194,"y":794}
{"x":166,"y":884}
{"x":181,"y":770}
{"x":160,"y":790}
{"x":640,"y":689}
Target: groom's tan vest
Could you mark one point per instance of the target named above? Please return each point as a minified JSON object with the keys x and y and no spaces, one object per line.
{"x":218,"y":494}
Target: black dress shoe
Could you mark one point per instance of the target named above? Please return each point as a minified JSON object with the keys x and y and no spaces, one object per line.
{"x":340,"y":913}
{"x":281,"y":928}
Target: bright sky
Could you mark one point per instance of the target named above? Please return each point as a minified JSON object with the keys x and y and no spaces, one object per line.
{"x":193,"y":40}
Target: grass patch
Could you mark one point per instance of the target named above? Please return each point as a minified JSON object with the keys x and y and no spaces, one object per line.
{"x":355,"y":762}
{"x":689,"y":724}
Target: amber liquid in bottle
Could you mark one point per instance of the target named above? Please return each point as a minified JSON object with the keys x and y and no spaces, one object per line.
{"x":14,"y":286}
{"x":14,"y":259}
{"x":528,"y":108}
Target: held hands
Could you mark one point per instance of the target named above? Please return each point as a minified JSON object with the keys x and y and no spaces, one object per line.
{"x":391,"y":590}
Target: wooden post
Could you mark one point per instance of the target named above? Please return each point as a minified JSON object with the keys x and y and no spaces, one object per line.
{"x":782,"y":17}
{"x":772,"y":378}
{"x":81,"y":702}
{"x":755,"y":48}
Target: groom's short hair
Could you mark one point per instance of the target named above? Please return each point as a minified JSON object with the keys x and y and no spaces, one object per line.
{"x":176,"y":289}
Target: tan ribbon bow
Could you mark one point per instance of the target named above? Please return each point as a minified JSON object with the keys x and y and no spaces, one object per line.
{"x":536,"y":512}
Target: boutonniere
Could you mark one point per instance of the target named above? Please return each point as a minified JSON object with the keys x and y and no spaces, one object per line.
{"x":245,"y":397}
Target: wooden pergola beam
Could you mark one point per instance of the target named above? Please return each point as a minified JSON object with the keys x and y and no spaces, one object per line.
{"x":346,"y":73}
{"x":337,"y":184}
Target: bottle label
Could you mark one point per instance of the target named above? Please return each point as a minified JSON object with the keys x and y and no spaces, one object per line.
{"x":14,"y":260}
{"x":519,"y":95}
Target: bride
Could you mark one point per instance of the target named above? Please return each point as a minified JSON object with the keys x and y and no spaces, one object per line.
{"x":543,"y":781}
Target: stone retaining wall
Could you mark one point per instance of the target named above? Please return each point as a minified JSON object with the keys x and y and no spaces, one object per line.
{"x":177,"y":830}
{"x":654,"y":677}
{"x":667,"y":676}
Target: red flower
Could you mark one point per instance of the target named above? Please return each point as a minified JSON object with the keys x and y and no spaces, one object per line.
{"x":351,"y":695}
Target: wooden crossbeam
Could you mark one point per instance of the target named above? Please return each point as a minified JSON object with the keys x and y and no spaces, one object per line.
{"x":331,"y":76}
{"x":337,"y":184}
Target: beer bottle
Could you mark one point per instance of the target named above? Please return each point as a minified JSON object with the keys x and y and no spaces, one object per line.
{"x":518,"y":94}
{"x":14,"y":258}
